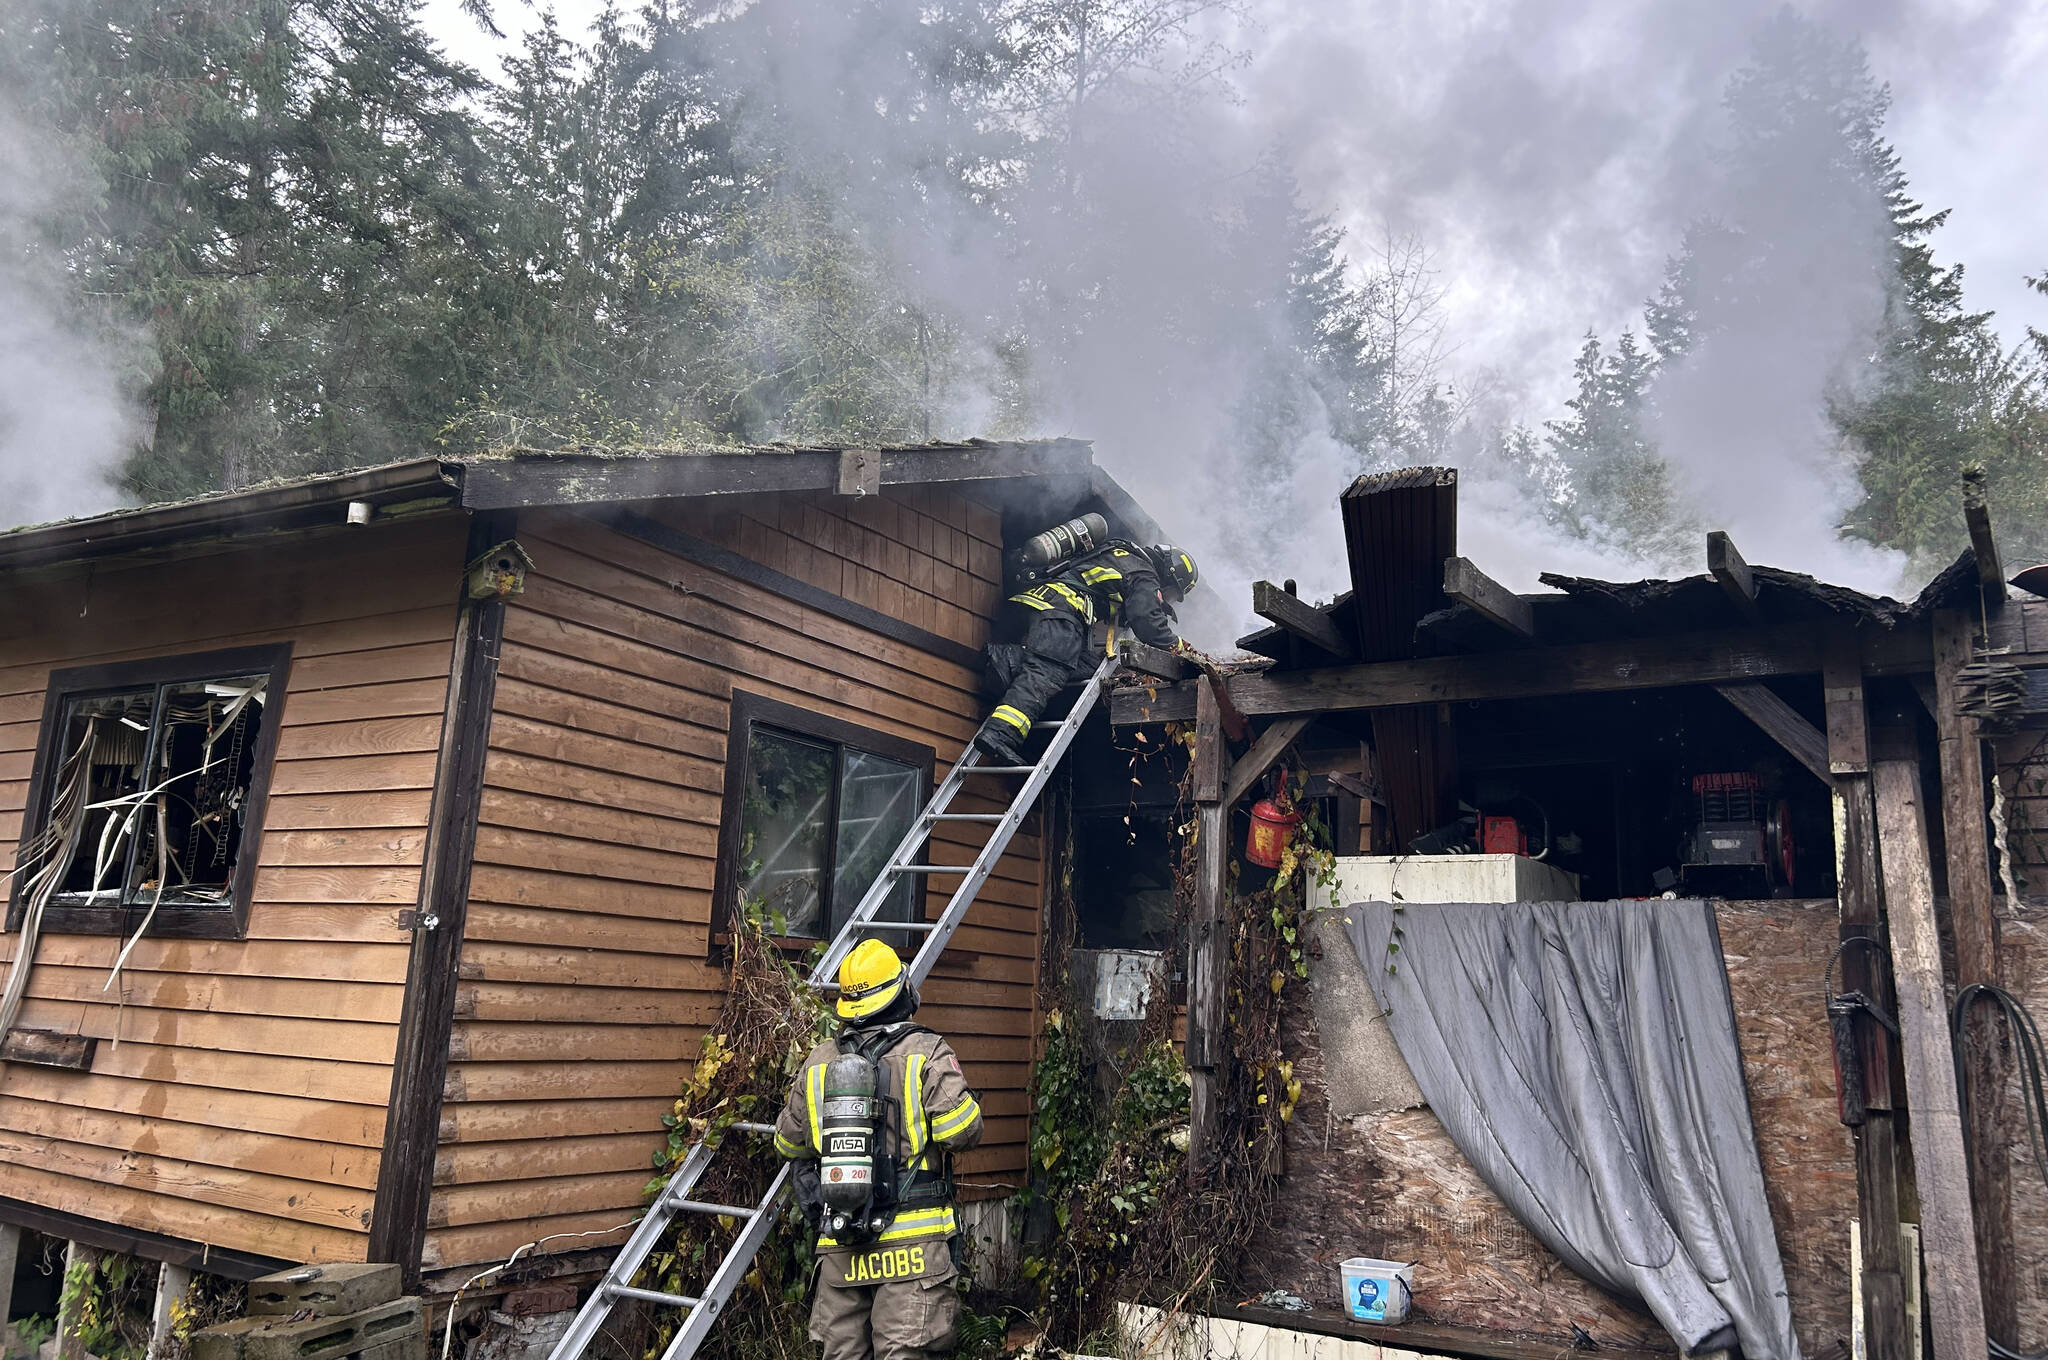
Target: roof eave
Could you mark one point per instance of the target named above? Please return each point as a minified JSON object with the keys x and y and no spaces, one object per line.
{"x":258,"y":510}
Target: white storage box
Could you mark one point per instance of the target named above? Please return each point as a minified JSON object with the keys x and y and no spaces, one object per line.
{"x":1376,"y":1290}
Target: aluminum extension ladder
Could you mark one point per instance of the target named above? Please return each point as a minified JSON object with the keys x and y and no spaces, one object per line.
{"x":702,"y":1311}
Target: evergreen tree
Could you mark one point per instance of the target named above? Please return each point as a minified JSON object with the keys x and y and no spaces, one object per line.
{"x":1620,"y":488}
{"x":278,"y":189}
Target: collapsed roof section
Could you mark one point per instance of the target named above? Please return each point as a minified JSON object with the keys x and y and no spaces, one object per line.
{"x":1412,"y":595}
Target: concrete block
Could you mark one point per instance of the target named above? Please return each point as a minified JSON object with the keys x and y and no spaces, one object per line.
{"x":330,"y":1291}
{"x":368,"y":1335}
{"x":1363,"y":1069}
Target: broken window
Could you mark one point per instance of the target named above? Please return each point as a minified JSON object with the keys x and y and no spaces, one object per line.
{"x":814,"y":808}
{"x":148,"y":794}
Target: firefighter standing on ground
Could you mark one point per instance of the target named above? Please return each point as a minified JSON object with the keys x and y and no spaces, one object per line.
{"x":1092,"y":577}
{"x":884,"y":1287}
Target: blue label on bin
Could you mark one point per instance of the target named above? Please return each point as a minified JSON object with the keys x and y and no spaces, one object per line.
{"x":1369,"y":1299}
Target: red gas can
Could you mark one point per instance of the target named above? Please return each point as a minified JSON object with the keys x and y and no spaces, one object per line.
{"x":1272,"y":824}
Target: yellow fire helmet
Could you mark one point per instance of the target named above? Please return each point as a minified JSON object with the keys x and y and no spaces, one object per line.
{"x":869,"y":979}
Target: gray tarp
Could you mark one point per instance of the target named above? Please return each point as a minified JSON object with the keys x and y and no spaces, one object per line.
{"x":1582,"y":1055}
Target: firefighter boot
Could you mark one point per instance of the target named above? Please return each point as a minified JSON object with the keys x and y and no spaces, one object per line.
{"x":1001,"y":737}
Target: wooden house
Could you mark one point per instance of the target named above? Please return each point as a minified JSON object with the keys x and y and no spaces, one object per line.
{"x":405,"y":807}
{"x":1439,"y":714}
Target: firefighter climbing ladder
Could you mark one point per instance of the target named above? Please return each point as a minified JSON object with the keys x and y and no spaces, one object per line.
{"x":701,"y":1311}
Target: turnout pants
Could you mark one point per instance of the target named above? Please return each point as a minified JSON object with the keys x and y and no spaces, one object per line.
{"x":1053,"y":645}
{"x":894,"y":1320}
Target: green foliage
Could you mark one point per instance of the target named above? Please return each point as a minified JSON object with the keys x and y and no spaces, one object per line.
{"x":1104,"y":1167}
{"x":109,"y":1294}
{"x":32,"y":1332}
{"x":745,"y":1066}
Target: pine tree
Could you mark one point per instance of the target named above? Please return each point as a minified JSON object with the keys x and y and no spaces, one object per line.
{"x":280,"y":189}
{"x":1621,"y":489}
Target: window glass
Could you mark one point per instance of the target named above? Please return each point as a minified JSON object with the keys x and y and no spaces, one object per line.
{"x":784,"y":846}
{"x":879,"y":799}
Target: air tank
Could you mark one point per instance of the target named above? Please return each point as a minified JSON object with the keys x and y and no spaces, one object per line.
{"x":846,"y":1170}
{"x":1083,"y":534}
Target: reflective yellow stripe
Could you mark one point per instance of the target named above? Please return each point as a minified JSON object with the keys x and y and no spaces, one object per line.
{"x":1033,"y":600}
{"x":1081,"y":603}
{"x":956,"y":1120}
{"x":914,"y":1130}
{"x":1095,"y":576}
{"x":814,"y":1098}
{"x":912,"y":1223}
{"x":1014,"y":717}
{"x":787,"y":1148}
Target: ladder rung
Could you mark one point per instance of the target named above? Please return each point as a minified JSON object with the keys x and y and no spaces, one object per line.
{"x":627,"y":1291}
{"x":1000,"y":769}
{"x":931,"y":868}
{"x":698,"y":1206}
{"x":968,"y":816}
{"x":761,"y":1130}
{"x":898,"y":925}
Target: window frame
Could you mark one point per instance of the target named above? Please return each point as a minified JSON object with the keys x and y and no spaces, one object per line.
{"x":82,"y":682}
{"x":758,"y":710}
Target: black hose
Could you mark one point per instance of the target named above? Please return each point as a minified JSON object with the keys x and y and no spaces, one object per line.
{"x":2033,"y":1089}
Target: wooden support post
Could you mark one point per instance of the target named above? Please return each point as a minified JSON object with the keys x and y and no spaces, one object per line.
{"x":1856,"y":872}
{"x":1208,"y":935}
{"x":10,"y":1256}
{"x":69,"y":1344}
{"x":1987,"y":1067}
{"x":172,"y":1284}
{"x":1955,"y":1303}
{"x":1488,"y":598}
{"x":1305,"y":621}
{"x":1782,"y":723}
{"x":1725,"y":565}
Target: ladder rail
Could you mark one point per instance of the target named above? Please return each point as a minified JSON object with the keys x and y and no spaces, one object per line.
{"x":703,"y":1312}
{"x":590,"y":1319}
{"x":739,"y":1258}
{"x":999,"y":839}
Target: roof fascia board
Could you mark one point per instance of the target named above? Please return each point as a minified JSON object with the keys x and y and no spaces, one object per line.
{"x":573,"y":480}
{"x":238,"y":513}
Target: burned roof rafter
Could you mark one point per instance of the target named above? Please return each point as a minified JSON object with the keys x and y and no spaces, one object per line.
{"x":1702,"y":658}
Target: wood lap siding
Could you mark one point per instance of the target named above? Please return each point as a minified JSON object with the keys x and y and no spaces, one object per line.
{"x":587,"y":974}
{"x":237,"y":1094}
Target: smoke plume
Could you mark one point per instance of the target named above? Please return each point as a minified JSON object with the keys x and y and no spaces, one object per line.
{"x":66,"y":423}
{"x":1551,"y":156}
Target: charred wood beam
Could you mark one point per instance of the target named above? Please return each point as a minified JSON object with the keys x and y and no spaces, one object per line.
{"x":1782,"y":723}
{"x":1208,"y":1045}
{"x":588,"y":480}
{"x":1531,"y":672}
{"x":1486,"y":597}
{"x":1867,"y":1103}
{"x":1977,"y":514}
{"x":1725,"y":564}
{"x":1955,"y":1305}
{"x":1267,"y":749}
{"x":1305,"y":621}
{"x":47,"y":1049}
{"x":1146,"y":659}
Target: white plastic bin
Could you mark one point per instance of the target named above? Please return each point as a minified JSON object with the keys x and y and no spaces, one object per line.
{"x":1376,"y":1290}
